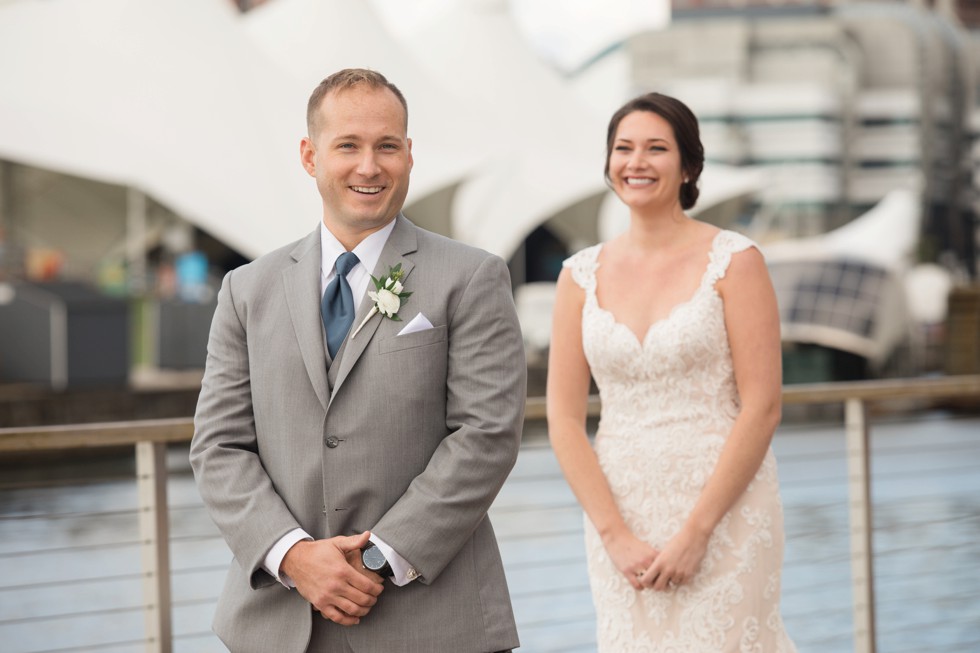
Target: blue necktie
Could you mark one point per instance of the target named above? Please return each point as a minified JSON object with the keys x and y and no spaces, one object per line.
{"x":337,"y":306}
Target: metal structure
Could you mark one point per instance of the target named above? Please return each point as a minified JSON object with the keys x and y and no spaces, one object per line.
{"x":151,"y":437}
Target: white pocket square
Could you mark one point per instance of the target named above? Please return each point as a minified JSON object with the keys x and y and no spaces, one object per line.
{"x":418,"y":323}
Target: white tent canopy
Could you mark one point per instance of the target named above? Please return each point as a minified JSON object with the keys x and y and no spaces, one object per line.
{"x":203,"y":110}
{"x":887,"y":236}
{"x":845,"y":289}
{"x":169,"y":98}
{"x":312,"y":38}
{"x":551,"y":158}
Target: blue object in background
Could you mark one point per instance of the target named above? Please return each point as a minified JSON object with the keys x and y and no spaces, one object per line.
{"x":192,"y":276}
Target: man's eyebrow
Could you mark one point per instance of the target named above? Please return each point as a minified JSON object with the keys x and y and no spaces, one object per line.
{"x":357,"y":137}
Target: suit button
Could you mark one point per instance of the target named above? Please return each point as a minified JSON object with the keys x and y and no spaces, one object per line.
{"x":332,"y":442}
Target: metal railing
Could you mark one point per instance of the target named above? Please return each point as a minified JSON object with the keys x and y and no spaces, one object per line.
{"x":150,"y":438}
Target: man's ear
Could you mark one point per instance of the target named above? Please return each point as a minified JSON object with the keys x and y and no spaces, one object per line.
{"x":411,"y":159}
{"x":307,"y":156}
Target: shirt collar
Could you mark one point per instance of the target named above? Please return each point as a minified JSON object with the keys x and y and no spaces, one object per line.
{"x":368,"y":250}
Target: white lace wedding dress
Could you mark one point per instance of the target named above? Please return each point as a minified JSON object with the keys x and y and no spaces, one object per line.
{"x":668,"y":405}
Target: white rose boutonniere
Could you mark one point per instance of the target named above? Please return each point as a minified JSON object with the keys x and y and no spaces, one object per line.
{"x":388,"y":296}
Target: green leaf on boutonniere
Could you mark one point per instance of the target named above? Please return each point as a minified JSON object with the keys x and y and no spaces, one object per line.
{"x":389,"y":294}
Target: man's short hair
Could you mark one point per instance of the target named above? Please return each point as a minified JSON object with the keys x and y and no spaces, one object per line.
{"x":346,"y":79}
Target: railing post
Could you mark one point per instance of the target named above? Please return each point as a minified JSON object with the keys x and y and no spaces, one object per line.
{"x":151,"y":478}
{"x":859,"y":490}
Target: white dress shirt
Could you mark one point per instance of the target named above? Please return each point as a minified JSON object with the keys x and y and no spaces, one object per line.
{"x":368,"y":252}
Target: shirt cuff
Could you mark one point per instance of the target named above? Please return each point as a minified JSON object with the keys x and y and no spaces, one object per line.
{"x":402,"y":571}
{"x":273,"y":559}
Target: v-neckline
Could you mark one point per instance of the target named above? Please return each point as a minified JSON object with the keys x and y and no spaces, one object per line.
{"x":673,"y":309}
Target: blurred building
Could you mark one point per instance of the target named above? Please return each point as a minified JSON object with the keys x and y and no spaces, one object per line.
{"x":840,"y":103}
{"x":843,"y":105}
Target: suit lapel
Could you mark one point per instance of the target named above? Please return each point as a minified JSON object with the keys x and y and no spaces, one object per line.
{"x":302,"y":284}
{"x":403,"y":241}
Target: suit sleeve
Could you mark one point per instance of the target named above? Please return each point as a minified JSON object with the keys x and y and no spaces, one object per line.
{"x":224,"y":454}
{"x":485,"y":398}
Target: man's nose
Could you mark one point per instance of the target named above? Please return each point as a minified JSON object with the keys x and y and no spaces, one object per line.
{"x":368,"y":164}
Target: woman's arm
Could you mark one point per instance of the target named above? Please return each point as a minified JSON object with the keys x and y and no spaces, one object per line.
{"x":568,"y":389}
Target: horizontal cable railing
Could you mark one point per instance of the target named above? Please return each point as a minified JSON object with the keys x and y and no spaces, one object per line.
{"x":155,"y":530}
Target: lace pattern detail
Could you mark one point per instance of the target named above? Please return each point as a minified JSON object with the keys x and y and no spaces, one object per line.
{"x":669,"y":402}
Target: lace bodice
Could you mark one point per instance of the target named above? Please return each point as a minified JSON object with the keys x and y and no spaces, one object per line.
{"x":681,"y":370}
{"x":669,"y":402}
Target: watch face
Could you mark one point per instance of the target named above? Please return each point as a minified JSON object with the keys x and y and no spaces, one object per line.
{"x":373,"y":558}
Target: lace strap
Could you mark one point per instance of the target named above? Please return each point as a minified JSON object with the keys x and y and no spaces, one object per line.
{"x":725,"y":244}
{"x":583,"y":265}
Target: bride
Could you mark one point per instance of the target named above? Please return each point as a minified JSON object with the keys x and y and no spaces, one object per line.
{"x":677,"y":322}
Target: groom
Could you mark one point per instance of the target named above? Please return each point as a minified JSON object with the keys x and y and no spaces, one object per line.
{"x":349,"y":454}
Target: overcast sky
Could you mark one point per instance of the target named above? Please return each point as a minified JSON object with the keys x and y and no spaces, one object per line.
{"x":565,"y":32}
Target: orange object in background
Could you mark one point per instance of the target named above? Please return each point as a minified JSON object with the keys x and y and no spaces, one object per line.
{"x":43,"y":264}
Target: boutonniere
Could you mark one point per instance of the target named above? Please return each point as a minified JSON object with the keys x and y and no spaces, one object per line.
{"x":388,"y":296}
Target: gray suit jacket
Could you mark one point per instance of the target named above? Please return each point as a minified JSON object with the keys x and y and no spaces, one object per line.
{"x":428,"y":426}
